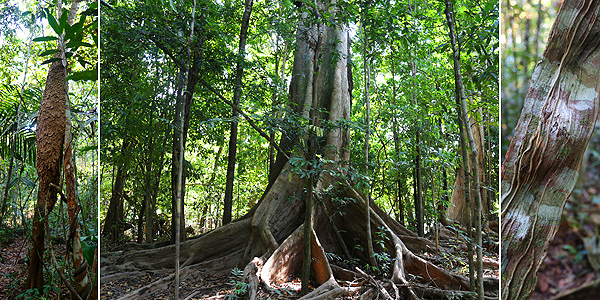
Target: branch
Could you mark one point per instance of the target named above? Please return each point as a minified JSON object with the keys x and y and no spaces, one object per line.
{"x":248,"y":118}
{"x":105,"y":4}
{"x":168,"y":52}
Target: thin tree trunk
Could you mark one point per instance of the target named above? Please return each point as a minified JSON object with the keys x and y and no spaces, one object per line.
{"x":307,"y":257}
{"x":8,"y":175}
{"x":239,"y":74}
{"x":545,"y":154}
{"x":460,"y":93}
{"x":400,"y":205}
{"x":180,"y":183}
{"x":367,"y":79}
{"x":148,"y":203}
{"x":140,"y":222}
{"x":419,"y":211}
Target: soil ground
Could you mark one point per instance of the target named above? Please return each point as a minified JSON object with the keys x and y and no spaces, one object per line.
{"x":13,"y":268}
{"x":211,"y":286}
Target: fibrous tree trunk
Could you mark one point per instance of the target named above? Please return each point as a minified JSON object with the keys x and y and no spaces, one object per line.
{"x":268,"y":240}
{"x":237,"y":92}
{"x":545,"y":154}
{"x":50,"y":134}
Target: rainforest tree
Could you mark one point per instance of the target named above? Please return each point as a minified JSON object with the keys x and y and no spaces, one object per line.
{"x":309,"y":142}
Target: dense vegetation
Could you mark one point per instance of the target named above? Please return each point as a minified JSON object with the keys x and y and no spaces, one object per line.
{"x":167,"y":72}
{"x":411,"y":91}
{"x":28,"y":40}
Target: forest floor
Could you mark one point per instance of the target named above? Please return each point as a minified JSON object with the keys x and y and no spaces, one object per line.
{"x":13,"y":268}
{"x":213,"y":286}
{"x":571,"y":269}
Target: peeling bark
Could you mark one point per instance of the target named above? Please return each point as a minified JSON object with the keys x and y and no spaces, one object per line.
{"x":544,"y":157}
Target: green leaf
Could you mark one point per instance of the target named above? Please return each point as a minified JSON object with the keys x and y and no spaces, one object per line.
{"x":62,"y":22}
{"x":49,"y":52}
{"x":28,"y":182}
{"x":84,"y":75}
{"x":92,"y":10}
{"x":88,"y":252}
{"x":82,"y":62}
{"x":53,"y":23}
{"x":88,"y":148}
{"x":45,"y":39}
{"x":51,"y":60}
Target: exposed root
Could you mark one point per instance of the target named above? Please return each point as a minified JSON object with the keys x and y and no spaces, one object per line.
{"x":249,"y":242}
{"x":375,"y":283}
{"x":329,"y":290}
{"x":252,"y":276}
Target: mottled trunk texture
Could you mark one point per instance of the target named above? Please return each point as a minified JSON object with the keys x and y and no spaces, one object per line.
{"x":544,"y":157}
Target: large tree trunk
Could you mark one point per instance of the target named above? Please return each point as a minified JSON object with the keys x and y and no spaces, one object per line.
{"x":113,"y":222}
{"x":268,"y":240}
{"x":50,"y":135}
{"x":544,"y":157}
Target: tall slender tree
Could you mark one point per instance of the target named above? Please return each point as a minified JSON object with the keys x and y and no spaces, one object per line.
{"x":239,"y":74}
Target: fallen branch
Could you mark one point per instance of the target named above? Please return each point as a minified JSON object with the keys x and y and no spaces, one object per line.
{"x":381,"y":289}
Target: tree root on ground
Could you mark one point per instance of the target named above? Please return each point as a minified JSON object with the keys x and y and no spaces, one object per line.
{"x":267,"y":244}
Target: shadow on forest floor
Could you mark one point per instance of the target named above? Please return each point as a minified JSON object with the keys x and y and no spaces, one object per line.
{"x":13,"y":269}
{"x":218,"y":286}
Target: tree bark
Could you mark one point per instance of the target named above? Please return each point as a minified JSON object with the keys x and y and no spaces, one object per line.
{"x":112,"y":224}
{"x":460,"y":94}
{"x":239,"y":74}
{"x":545,"y":154}
{"x":50,"y":134}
